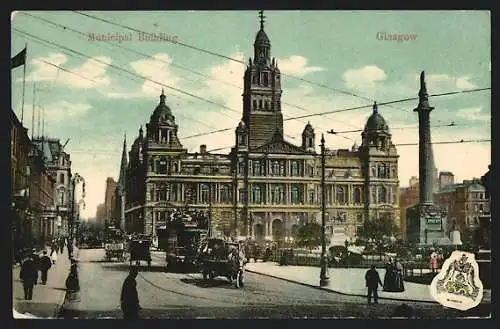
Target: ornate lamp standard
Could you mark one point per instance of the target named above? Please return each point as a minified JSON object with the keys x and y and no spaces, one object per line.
{"x":324,"y":278}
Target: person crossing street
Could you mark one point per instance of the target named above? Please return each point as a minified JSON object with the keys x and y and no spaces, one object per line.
{"x":372,"y":280}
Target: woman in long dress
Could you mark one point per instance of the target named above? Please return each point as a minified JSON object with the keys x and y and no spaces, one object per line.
{"x":398,"y":277}
{"x":389,"y":276}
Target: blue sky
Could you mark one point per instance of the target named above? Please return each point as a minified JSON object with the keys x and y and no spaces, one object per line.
{"x":96,"y":104}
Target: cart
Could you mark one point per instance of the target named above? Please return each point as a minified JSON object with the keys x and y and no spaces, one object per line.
{"x":139,"y":249}
{"x":114,"y":249}
{"x":220,"y":258}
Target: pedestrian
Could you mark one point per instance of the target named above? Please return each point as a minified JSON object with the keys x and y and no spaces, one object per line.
{"x":53,"y":257}
{"x":372,"y":280}
{"x":29,"y":276}
{"x":61,"y":245}
{"x":53,"y":247}
{"x":389,"y":276}
{"x":72,"y":282}
{"x":129,"y":299}
{"x":45,"y":264}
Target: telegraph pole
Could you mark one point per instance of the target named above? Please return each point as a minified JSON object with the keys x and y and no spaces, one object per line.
{"x":324,"y":278}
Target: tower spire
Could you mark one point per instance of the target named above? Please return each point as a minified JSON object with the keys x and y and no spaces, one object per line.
{"x":124,"y":162}
{"x":423,"y":96}
{"x":375,"y":107}
{"x":162,"y":96}
{"x":262,"y":19}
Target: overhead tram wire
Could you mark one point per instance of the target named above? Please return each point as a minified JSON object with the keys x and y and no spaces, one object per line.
{"x":226,"y":57}
{"x":134,"y":74}
{"x":452,"y":124}
{"x":42,"y":41}
{"x":462,"y":141}
{"x":67,"y":28}
{"x":94,"y":81}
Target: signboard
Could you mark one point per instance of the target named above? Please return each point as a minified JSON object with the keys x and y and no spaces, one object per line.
{"x":433,"y":221}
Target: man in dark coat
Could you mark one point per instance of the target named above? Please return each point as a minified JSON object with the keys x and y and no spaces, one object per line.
{"x":45,"y":265}
{"x":129,"y":298}
{"x":29,"y":277}
{"x":372,"y":280}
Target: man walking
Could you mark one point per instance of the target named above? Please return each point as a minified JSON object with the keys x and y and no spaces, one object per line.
{"x":45,"y":264}
{"x":29,"y":276}
{"x":129,"y":299}
{"x":372,"y":280}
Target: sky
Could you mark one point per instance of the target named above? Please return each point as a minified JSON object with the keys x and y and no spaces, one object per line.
{"x":94,"y":92}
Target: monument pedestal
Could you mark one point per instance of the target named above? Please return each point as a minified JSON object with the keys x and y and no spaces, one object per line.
{"x":426,"y":225}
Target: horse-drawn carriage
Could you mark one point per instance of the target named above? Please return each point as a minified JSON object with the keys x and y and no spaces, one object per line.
{"x":139,"y":249}
{"x":220,"y":258}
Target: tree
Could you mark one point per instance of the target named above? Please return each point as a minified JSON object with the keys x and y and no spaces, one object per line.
{"x":309,"y":235}
{"x":378,"y":229}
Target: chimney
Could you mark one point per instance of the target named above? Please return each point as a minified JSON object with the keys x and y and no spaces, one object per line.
{"x":203,"y":149}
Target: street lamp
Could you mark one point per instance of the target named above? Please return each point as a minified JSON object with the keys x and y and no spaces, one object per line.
{"x":324,"y":277}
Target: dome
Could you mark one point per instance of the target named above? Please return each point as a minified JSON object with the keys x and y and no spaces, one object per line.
{"x":376,"y":121}
{"x":262,"y":38}
{"x":162,"y":112}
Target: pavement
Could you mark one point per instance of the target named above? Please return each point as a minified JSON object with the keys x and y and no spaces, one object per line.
{"x":47,"y":299}
{"x":185,"y":295}
{"x":346,"y":281}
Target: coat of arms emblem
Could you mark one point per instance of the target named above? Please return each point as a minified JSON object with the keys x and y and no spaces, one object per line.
{"x":458,"y":285}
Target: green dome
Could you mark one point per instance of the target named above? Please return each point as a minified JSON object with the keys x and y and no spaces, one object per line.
{"x":376,"y":121}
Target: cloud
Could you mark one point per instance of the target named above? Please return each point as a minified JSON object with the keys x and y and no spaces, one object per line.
{"x":91,"y":74}
{"x":445,"y":82}
{"x":364,"y":79}
{"x":156,"y":68}
{"x":473,"y":114}
{"x":297,"y":65}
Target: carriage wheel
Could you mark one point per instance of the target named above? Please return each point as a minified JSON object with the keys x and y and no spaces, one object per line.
{"x":239,"y":279}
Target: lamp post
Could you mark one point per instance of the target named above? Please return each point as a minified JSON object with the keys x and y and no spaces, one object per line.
{"x":324,"y":278}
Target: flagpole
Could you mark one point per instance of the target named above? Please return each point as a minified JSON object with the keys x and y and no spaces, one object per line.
{"x":33,"y":113}
{"x":24,"y":83}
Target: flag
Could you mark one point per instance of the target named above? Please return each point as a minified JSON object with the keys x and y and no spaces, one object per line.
{"x":19,"y":59}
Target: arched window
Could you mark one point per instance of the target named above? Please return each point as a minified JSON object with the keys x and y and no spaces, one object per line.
{"x":340,"y":194}
{"x":276,"y":168}
{"x":382,"y":195}
{"x":357,"y":195}
{"x":205,"y":193}
{"x":60,"y":196}
{"x":256,"y":194}
{"x":296,"y":195}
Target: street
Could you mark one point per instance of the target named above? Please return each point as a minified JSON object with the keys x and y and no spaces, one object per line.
{"x":186,"y":295}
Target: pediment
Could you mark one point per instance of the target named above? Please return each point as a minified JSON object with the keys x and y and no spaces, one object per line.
{"x":279,"y":147}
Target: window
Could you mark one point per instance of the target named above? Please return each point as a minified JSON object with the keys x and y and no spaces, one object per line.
{"x":282,"y":168}
{"x":311,"y":197}
{"x":61,"y":178}
{"x":265,"y":76}
{"x":162,"y":166}
{"x":277,"y":194}
{"x":481,"y":207}
{"x":374,"y":195}
{"x":374,"y":171}
{"x":241,"y":193}
{"x":310,"y":142}
{"x":310,"y":170}
{"x":257,"y":168}
{"x":260,"y":104}
{"x":205,"y":193}
{"x":296,"y":195}
{"x":382,"y":194}
{"x":275,"y":168}
{"x":359,"y":218}
{"x":152,"y":165}
{"x":254,"y":104}
{"x":256,"y":194}
{"x":242,"y":139}
{"x":241,"y":168}
{"x":381,"y":171}
{"x":340,"y":194}
{"x":357,"y":195}
{"x":475,"y":208}
{"x":60,"y":197}
{"x":294,"y":168}
{"x":254,"y":79}
{"x":224,"y":194}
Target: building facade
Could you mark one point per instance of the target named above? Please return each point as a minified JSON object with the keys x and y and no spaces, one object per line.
{"x":408,"y":196}
{"x":266,"y":186}
{"x":58,"y":164}
{"x":109,"y":200}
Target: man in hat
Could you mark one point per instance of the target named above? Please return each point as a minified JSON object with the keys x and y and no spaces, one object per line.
{"x":372,"y":280}
{"x":29,"y":276}
{"x":129,"y":299}
{"x":45,"y":265}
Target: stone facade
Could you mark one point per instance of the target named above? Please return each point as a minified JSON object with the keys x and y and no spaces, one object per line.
{"x":265,"y":187}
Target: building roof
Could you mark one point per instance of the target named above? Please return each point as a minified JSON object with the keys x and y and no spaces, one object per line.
{"x":376,"y":121}
{"x":262,"y":38}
